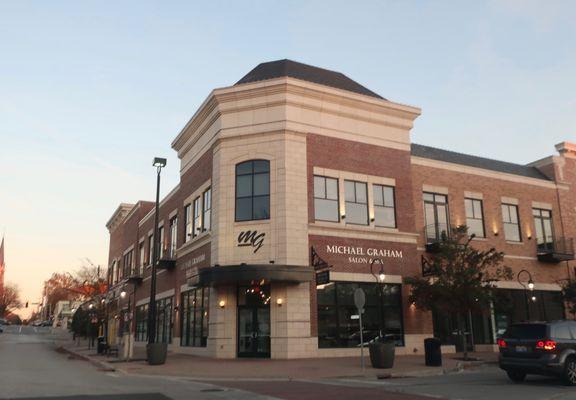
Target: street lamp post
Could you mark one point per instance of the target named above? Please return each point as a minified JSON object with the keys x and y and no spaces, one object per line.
{"x":156,"y":352}
{"x":527,"y":287}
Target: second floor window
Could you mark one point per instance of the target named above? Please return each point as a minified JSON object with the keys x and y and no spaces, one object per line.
{"x":356,"y":202}
{"x":326,"y":199}
{"x":474,"y":217}
{"x":436,"y":216}
{"x":207,"y":209}
{"x":187,"y":222}
{"x":544,"y":231}
{"x":511,"y":223}
{"x":141,"y":257}
{"x":253,"y":190}
{"x":150,"y":248}
{"x":161,"y":242}
{"x":384,"y":207}
{"x":173,"y":235}
{"x":128,"y":263}
{"x":196,"y":217}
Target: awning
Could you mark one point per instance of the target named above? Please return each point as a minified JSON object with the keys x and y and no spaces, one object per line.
{"x":225,"y":274}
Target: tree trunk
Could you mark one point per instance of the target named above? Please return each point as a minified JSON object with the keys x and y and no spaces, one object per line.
{"x":462,"y":331}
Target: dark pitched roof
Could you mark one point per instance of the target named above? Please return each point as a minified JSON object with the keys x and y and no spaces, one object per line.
{"x":293,"y":69}
{"x":478,"y":162}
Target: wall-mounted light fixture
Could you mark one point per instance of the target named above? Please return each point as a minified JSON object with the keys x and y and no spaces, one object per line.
{"x":533,"y":298}
{"x":372,"y":219}
{"x":343,"y":216}
{"x":222,"y":303}
{"x":279,"y":301}
{"x":123,"y":294}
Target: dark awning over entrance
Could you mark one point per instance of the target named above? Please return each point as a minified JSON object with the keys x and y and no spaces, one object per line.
{"x":219,"y":275}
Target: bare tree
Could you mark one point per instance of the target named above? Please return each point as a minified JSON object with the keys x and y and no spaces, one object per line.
{"x":9,"y":299}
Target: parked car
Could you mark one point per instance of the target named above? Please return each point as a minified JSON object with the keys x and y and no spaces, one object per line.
{"x":539,"y":348}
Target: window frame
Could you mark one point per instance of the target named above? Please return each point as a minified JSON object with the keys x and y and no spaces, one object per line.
{"x":355,"y":182}
{"x":481,"y":219}
{"x":252,"y":196}
{"x":141,"y":257}
{"x":393,"y":207}
{"x":173,"y":225}
{"x":188,"y":322}
{"x":188,"y":229}
{"x":518,"y":224}
{"x":541,"y":220}
{"x":325,"y":198}
{"x":207,"y":194}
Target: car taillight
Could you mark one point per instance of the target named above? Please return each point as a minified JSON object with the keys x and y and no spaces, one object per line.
{"x":502,"y":343}
{"x":548,"y":345}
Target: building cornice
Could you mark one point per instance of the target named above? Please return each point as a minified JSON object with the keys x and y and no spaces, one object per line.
{"x":118,"y":216}
{"x":285,"y":92}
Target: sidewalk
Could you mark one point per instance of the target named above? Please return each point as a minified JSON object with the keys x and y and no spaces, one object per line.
{"x":201,"y":368}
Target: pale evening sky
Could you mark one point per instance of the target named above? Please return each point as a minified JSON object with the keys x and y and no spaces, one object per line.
{"x":90,"y":91}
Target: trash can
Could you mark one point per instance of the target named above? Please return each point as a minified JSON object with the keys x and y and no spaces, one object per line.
{"x":433,"y":352}
{"x":101,"y":346}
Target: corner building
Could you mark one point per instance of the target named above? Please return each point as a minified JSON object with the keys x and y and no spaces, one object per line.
{"x":293,"y":181}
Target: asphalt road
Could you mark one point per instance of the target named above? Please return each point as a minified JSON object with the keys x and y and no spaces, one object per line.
{"x":30,"y":368}
{"x":488,"y":382}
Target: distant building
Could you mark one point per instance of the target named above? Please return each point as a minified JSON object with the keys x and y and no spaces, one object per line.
{"x":64,"y":311}
{"x":292,"y":181}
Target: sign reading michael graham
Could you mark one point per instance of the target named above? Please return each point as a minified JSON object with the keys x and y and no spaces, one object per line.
{"x":363,"y":255}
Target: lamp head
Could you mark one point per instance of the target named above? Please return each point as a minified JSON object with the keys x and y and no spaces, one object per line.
{"x":123,"y":294}
{"x":382,"y":276}
{"x":530,"y":285}
{"x":159,"y":162}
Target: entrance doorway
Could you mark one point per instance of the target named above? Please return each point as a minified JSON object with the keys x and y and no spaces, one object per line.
{"x":254,"y":321}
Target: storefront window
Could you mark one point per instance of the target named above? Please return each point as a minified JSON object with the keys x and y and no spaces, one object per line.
{"x":510,"y":307}
{"x":141,"y":334}
{"x":164,"y":320}
{"x":253,"y":190}
{"x":195,"y":305}
{"x":337,"y":329}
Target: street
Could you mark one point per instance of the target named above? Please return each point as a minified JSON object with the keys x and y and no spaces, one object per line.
{"x":30,"y":367}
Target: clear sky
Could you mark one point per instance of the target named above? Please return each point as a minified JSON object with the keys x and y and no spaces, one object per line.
{"x":90,"y":91}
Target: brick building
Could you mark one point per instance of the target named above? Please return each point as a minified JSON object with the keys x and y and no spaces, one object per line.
{"x":297,"y":169}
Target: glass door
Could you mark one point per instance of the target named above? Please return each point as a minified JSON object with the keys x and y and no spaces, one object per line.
{"x":254,"y":321}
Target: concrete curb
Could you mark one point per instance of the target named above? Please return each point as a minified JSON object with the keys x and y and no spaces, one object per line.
{"x":99,"y":364}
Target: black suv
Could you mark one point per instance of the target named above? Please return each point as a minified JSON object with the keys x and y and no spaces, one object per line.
{"x":540,"y":348}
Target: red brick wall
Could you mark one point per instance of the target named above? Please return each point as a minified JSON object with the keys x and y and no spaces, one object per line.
{"x":345,"y":155}
{"x":493,"y":189}
{"x":129,"y":233}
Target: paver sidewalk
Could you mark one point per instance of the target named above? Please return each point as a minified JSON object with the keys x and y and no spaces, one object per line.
{"x":203,"y":368}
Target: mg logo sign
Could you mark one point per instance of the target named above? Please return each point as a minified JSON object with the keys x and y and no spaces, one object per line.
{"x":251,"y":239}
